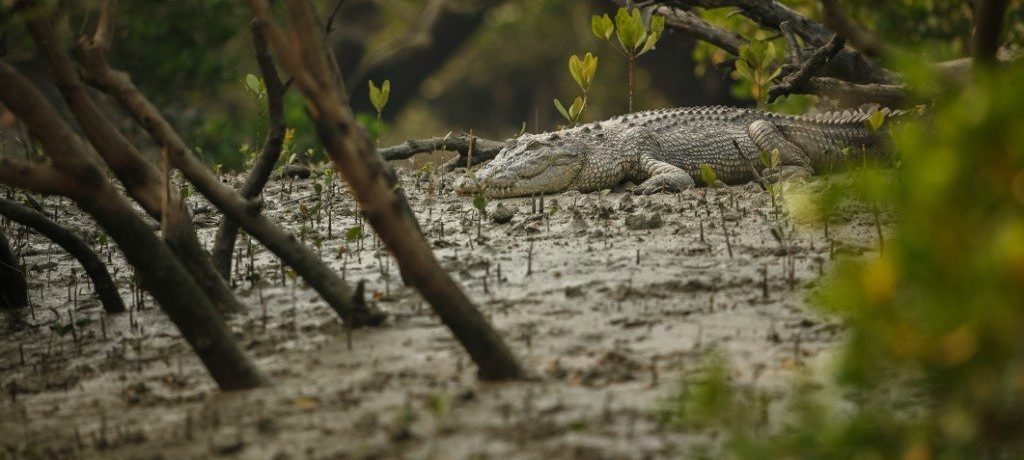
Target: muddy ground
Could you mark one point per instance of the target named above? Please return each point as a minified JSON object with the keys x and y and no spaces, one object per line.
{"x":609,"y":299}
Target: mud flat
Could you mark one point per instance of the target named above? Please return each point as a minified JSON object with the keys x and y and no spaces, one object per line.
{"x":610,"y":298}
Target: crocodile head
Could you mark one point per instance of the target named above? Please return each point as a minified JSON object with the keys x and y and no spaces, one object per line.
{"x":528,"y":165}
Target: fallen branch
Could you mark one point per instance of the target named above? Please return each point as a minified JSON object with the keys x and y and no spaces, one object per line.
{"x":483,"y":149}
{"x":104,"y":286}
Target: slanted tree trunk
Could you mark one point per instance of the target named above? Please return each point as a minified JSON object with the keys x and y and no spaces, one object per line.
{"x":142,"y":180}
{"x":73,"y":173}
{"x":224,"y":243}
{"x":325,"y":281}
{"x":13,"y":288}
{"x":91,"y":263}
{"x":316,"y":75}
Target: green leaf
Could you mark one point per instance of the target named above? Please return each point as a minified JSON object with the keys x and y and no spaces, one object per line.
{"x":480,"y":203}
{"x":775,"y":158}
{"x":589,"y":69}
{"x":657,"y":25}
{"x":640,"y":32}
{"x":743,"y":69}
{"x":629,"y":28}
{"x":561,"y":110}
{"x":602,"y":26}
{"x":576,"y":70}
{"x":649,"y":44}
{"x":379,"y":96}
{"x":875,"y":121}
{"x":253,"y":83}
{"x":708,"y":175}
{"x":353,"y":233}
{"x":766,"y":159}
{"x":576,"y":109}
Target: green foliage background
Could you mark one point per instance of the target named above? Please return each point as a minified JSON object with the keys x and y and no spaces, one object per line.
{"x":934,"y":366}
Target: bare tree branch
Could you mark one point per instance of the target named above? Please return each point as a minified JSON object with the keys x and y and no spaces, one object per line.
{"x":690,"y":23}
{"x":141,"y":179}
{"x":483,"y":149}
{"x":855,"y":94}
{"x":836,"y":19}
{"x":373,"y":188}
{"x":104,"y":286}
{"x":334,"y":291}
{"x":797,"y":80}
{"x":39,"y":178}
{"x":224,"y":242}
{"x":159,"y":271}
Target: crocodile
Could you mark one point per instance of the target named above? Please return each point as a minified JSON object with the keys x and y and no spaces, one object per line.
{"x":663,"y":150}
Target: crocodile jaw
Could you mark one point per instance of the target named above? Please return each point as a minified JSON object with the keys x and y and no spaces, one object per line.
{"x":502,"y":183}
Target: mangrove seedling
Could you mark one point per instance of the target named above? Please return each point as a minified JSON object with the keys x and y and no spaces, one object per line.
{"x":379,"y":99}
{"x":582,"y":71}
{"x":635,"y":38}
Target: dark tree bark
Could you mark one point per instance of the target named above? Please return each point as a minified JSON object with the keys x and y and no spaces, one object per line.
{"x":13,"y":288}
{"x":143,"y":181}
{"x":104,"y":286}
{"x":224,"y":243}
{"x":442,"y":29}
{"x":74,"y":174}
{"x":308,"y":61}
{"x":325,"y":281}
{"x":988,"y":27}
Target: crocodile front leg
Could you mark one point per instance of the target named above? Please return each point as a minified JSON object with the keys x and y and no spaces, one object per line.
{"x":658,"y":176}
{"x":793,"y":161}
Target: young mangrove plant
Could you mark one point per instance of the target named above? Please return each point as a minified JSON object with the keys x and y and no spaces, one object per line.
{"x":635,"y":38}
{"x":379,"y":99}
{"x":582,"y":71}
{"x":758,"y":64}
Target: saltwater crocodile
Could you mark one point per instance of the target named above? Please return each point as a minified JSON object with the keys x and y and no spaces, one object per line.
{"x":663,"y":150}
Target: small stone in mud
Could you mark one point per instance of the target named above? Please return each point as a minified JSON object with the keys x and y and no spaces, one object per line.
{"x":294,"y":172}
{"x":626,"y":203}
{"x":503,"y":214}
{"x":644,"y":221}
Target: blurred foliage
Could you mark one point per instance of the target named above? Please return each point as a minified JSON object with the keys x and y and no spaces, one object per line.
{"x":934,"y":364}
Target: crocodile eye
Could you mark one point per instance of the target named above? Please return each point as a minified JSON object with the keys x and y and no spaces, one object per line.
{"x":531,"y":145}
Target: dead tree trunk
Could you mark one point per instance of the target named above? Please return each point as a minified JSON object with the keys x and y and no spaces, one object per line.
{"x":315,"y":74}
{"x":13,"y":288}
{"x":224,"y":243}
{"x":73,"y":173}
{"x":328,"y":284}
{"x":91,"y":263}
{"x":143,"y":181}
